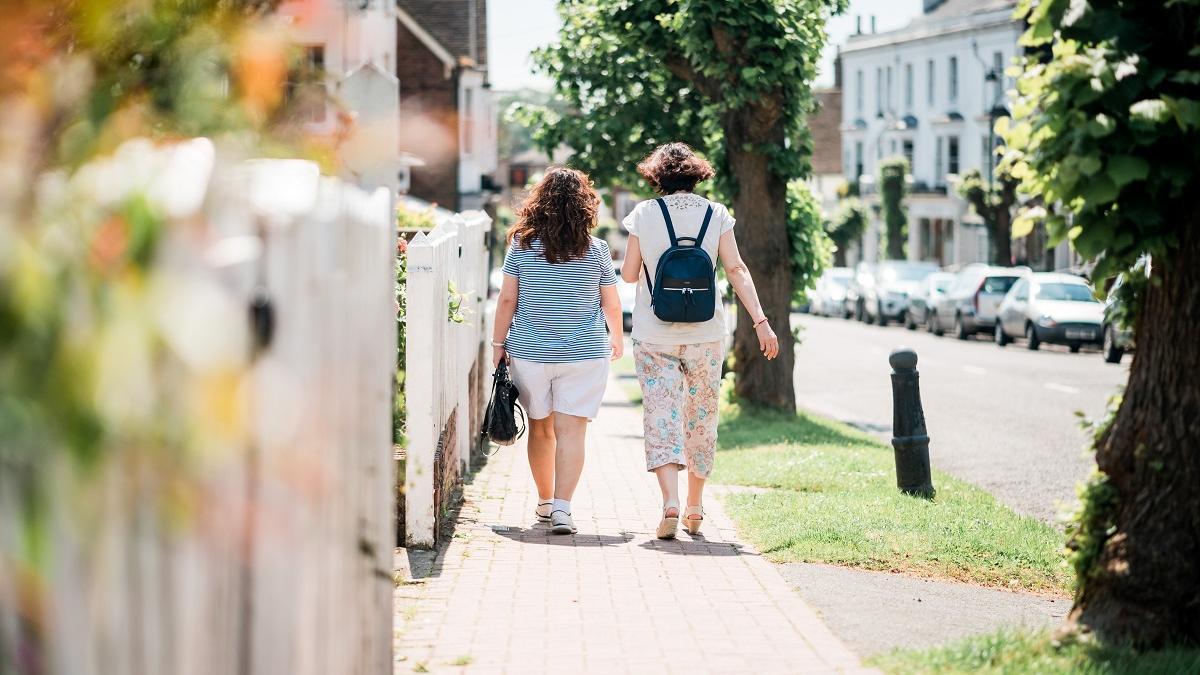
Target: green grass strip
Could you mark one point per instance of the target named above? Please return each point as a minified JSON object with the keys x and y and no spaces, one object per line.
{"x":1018,"y":651}
{"x":829,"y":496}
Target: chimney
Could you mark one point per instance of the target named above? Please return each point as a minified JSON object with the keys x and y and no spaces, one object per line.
{"x":872,"y":24}
{"x":858,"y":24}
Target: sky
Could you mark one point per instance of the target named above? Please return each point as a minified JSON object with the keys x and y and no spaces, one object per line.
{"x":517,"y":27}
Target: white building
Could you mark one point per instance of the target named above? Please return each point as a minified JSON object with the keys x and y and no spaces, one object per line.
{"x":927,"y":92}
{"x":354,"y":43}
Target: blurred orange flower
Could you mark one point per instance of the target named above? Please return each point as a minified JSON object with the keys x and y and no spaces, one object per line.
{"x":260,"y":67}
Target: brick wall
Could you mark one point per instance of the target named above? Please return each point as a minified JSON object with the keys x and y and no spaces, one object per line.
{"x":428,"y":120}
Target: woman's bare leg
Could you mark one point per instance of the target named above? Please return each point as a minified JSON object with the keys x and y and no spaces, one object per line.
{"x":695,"y":495}
{"x":541,"y":456}
{"x":668,"y":482}
{"x":569,"y":434}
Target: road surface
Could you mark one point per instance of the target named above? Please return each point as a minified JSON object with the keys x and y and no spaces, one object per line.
{"x":1001,"y":418}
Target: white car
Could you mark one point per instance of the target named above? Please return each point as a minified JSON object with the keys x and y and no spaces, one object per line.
{"x":628,"y":294}
{"x":1047,"y":307}
{"x":829,"y":297}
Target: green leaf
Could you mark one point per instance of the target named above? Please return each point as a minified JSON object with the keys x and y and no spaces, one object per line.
{"x":1101,"y":125}
{"x":1125,"y":169}
{"x":1089,"y":165}
{"x":1153,"y":110}
{"x":1023,"y":224}
{"x":1186,"y":112}
{"x":1100,"y":189}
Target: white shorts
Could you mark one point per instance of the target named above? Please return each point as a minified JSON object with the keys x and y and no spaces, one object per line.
{"x":574,"y":388}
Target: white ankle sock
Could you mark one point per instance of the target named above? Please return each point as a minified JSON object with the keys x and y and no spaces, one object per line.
{"x":561,"y":505}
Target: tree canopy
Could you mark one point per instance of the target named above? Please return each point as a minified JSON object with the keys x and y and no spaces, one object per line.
{"x":731,"y":79}
{"x":1106,"y":130}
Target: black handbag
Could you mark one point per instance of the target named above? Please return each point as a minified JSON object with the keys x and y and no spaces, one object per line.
{"x":504,"y":420}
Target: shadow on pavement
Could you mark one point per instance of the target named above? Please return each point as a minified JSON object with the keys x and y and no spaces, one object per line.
{"x":543,"y":536}
{"x":687,"y":545}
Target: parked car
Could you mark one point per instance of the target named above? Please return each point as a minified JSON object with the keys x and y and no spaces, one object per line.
{"x":895,"y":280}
{"x":922,"y":300}
{"x":628,"y":294}
{"x":969,"y":305}
{"x":864,"y":278}
{"x":829,"y":297}
{"x":1117,"y":337}
{"x":1049,"y":307}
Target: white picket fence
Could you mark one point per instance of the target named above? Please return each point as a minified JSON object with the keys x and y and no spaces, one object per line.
{"x":272,"y":550}
{"x":446,"y":366}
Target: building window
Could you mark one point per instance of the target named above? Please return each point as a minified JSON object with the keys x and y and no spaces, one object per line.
{"x":908,"y":154}
{"x":468,"y":121}
{"x":998,"y":85}
{"x":908,"y":87}
{"x":929,"y":80}
{"x":939,"y":173}
{"x":858,"y":90}
{"x":879,"y":91}
{"x":953,"y":81}
{"x":889,"y":99}
{"x":952,"y":155}
{"x":858,"y":160}
{"x":305,"y":87}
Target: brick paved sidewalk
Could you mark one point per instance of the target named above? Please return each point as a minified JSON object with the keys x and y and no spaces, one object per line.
{"x":509,"y":596}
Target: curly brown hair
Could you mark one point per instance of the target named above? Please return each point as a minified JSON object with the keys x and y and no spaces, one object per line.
{"x":560,"y":212}
{"x":674,"y":167}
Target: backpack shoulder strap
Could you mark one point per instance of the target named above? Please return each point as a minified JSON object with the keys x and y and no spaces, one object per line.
{"x":667,"y":217}
{"x":649,"y":284}
{"x":704,"y":226}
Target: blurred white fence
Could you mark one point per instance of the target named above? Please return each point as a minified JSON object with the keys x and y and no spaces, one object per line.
{"x":446,"y":366}
{"x":272,"y":551}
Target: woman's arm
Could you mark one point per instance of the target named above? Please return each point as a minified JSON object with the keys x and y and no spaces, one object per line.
{"x":633,"y":259}
{"x":610,"y":304}
{"x":506,"y":307}
{"x":739,"y":277}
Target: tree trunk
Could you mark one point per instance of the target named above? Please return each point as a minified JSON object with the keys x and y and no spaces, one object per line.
{"x":839,"y":255}
{"x":1144,"y":586}
{"x":1000,"y":225}
{"x":895,"y":241}
{"x":760,"y":206}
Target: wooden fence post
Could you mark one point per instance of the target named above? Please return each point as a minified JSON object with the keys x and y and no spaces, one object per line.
{"x":424,"y":301}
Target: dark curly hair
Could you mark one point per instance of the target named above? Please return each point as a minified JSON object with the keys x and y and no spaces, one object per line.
{"x":674,"y":167}
{"x":560,"y":212}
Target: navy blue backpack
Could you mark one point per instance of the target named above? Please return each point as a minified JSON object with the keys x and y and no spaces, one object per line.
{"x":684,"y":289}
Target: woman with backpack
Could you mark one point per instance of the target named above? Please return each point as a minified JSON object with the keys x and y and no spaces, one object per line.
{"x":558,"y":293}
{"x":679,"y":325}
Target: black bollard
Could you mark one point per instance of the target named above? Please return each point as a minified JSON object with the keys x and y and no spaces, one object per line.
{"x":909,"y":437}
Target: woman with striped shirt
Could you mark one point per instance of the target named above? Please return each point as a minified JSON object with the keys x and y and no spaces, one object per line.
{"x":559,"y":291}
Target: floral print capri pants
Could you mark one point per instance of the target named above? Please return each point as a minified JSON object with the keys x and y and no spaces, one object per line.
{"x":681,"y":386}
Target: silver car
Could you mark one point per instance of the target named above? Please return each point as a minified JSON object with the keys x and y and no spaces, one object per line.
{"x":969,"y":305}
{"x":1048,"y":307}
{"x":924,"y":299}
{"x":895,"y":280}
{"x":829,"y":297}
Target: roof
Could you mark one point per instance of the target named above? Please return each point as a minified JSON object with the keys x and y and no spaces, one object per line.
{"x":825,"y":127}
{"x":449,"y":23}
{"x":954,"y":8}
{"x":948,"y":17}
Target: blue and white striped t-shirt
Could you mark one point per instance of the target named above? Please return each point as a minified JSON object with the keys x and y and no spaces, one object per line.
{"x":558,"y":318}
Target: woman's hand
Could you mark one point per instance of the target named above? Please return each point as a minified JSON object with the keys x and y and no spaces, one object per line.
{"x":768,"y":343}
{"x":498,"y":355}
{"x":616,"y":342}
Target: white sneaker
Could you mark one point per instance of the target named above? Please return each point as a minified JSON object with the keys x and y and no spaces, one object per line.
{"x":543,"y":511}
{"x":561,"y":523}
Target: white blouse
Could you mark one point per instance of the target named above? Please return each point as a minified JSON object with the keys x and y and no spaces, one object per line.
{"x":647,"y":224}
